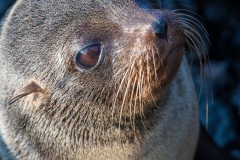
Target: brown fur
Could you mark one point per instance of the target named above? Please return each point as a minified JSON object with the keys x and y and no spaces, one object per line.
{"x":51,"y":110}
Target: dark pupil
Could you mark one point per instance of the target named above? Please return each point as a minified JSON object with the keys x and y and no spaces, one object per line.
{"x":88,"y":57}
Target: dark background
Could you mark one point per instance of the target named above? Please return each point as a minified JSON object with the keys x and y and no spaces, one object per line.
{"x":221,"y":88}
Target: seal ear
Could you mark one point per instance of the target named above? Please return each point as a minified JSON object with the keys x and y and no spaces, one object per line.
{"x":32,"y":87}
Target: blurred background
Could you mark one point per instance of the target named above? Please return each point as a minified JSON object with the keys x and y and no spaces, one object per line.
{"x":220,"y":95}
{"x":220,"y":92}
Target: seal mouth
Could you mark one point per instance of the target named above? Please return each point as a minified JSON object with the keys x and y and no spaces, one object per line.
{"x":173,"y":54}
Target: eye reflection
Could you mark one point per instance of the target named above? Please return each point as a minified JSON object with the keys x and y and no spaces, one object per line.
{"x":88,"y":57}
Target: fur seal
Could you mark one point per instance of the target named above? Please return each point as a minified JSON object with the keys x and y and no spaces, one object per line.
{"x":97,"y":79}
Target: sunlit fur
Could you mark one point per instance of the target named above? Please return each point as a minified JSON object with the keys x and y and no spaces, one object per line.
{"x":139,"y":103}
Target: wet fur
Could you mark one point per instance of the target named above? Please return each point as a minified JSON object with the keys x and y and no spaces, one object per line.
{"x":83,"y":114}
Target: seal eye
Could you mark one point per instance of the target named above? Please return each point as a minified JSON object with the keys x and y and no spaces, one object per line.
{"x":88,"y":57}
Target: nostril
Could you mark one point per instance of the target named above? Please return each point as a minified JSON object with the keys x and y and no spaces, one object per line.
{"x":159,"y":27}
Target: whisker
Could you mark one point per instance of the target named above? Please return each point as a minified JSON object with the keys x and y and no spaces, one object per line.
{"x":126,"y":92}
{"x":141,"y":77}
{"x":195,"y":20}
{"x":195,"y":42}
{"x":120,"y":87}
{"x":154,"y":65}
{"x":185,"y":10}
{"x":133,"y":88}
{"x":148,"y":71}
{"x":198,"y":48}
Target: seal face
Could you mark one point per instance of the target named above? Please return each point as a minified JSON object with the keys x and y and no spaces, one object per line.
{"x":96,"y":79}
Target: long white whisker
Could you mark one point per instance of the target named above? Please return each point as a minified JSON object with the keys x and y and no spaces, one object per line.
{"x":119,"y":88}
{"x":126,"y":91}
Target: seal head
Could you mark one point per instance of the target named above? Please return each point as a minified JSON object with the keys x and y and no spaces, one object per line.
{"x":91,"y":79}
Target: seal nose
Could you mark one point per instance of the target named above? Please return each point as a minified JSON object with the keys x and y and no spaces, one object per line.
{"x":159,"y":27}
